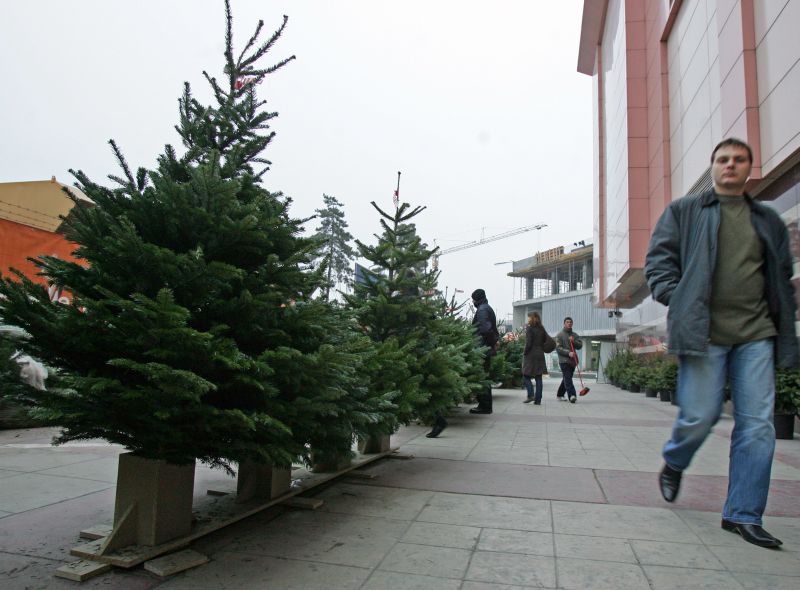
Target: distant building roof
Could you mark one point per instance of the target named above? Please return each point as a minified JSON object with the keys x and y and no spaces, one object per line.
{"x":548,"y":259}
{"x":40,"y":203}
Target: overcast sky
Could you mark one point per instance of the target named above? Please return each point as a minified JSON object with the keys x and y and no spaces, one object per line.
{"x":477,"y":103}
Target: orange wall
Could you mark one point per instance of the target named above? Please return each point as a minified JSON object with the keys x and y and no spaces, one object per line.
{"x":18,"y":242}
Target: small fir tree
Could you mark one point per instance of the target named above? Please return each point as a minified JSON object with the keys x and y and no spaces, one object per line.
{"x":192,"y":332}
{"x":335,"y":250}
{"x":423,"y":358}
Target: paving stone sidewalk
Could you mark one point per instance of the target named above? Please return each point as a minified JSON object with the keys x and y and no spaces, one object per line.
{"x":552,"y":496}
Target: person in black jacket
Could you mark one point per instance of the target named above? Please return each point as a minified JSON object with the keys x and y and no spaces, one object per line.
{"x":722,"y":264}
{"x":485,"y":324}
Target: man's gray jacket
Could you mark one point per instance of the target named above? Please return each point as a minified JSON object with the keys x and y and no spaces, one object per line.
{"x":563,"y":348}
{"x":680,"y":267}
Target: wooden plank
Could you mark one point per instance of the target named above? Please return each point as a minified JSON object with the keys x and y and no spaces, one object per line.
{"x":175,"y":562}
{"x":124,"y":533}
{"x":303,"y":503}
{"x":78,"y":571}
{"x":97,"y":531}
{"x":360,"y":475}
{"x":213,"y":513}
{"x":212,"y":492}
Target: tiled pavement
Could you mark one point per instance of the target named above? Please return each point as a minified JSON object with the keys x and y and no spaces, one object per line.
{"x":550,"y":496}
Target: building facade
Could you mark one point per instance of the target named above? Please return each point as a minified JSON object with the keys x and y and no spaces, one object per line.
{"x":671,"y":79}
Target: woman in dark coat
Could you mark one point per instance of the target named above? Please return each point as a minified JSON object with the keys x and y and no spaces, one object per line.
{"x":533,"y":363}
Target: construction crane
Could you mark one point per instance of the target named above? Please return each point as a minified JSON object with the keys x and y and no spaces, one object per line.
{"x":494,"y":238}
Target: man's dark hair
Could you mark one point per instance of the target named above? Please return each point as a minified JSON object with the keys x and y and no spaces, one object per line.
{"x":567,"y":318}
{"x":734,"y":142}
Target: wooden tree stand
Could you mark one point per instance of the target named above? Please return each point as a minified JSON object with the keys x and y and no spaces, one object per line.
{"x":213,"y":512}
{"x":153,"y":503}
{"x":374,"y":444}
{"x":257,"y":481}
{"x":329,"y":464}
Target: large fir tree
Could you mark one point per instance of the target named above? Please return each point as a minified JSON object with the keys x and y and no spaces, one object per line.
{"x":335,"y":250}
{"x":192,"y":333}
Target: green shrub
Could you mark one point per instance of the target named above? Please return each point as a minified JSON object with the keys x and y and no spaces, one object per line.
{"x":787,"y":391}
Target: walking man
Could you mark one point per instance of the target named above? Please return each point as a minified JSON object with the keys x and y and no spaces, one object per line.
{"x":567,"y":342}
{"x":721,"y":262}
{"x":485,"y":324}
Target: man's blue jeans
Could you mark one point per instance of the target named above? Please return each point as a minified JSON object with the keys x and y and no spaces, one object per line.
{"x":567,"y":370}
{"x":701,"y":392}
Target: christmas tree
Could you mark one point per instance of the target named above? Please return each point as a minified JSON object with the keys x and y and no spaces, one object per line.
{"x":424,"y":356}
{"x":192,"y":332}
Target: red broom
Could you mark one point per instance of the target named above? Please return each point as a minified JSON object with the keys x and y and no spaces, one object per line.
{"x":584,"y":390}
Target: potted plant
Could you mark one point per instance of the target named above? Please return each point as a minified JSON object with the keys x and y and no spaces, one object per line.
{"x":616,"y":369}
{"x":670,"y":384}
{"x":611,"y":370}
{"x":655,"y":377}
{"x":787,"y":402}
{"x":638,"y":373}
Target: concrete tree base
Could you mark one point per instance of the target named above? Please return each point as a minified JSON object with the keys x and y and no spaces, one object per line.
{"x":329,"y":464}
{"x":153,"y":503}
{"x":374,"y":444}
{"x":257,"y":481}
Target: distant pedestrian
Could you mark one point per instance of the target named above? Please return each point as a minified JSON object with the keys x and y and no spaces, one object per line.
{"x":721,"y":262}
{"x":485,"y":323}
{"x":533,"y":363}
{"x":567,"y":342}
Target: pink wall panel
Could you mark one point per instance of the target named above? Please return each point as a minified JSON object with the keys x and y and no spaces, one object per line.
{"x":638,"y":183}
{"x":635,"y":35}
{"x":634,"y":10}
{"x":638,"y":239}
{"x":637,"y":63}
{"x":655,"y":171}
{"x":637,"y":152}
{"x":637,"y":122}
{"x":639,"y":211}
{"x":637,"y":92}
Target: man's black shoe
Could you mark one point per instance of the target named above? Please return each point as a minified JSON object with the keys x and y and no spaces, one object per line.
{"x":527,"y":401}
{"x":669,"y":480}
{"x":561,"y":398}
{"x":572,"y":399}
{"x":438,"y":426}
{"x":479,"y":411}
{"x":752,"y":533}
{"x":537,"y":403}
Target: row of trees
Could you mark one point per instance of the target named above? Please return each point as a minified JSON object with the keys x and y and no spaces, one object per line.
{"x":193,"y":333}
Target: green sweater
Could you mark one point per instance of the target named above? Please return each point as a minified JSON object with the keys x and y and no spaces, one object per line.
{"x":739,"y":312}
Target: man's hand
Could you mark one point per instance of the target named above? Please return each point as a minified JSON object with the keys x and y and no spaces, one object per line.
{"x":497,"y":345}
{"x":572,"y":355}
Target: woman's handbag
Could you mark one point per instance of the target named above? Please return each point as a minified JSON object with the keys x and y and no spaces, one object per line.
{"x":549,"y":345}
